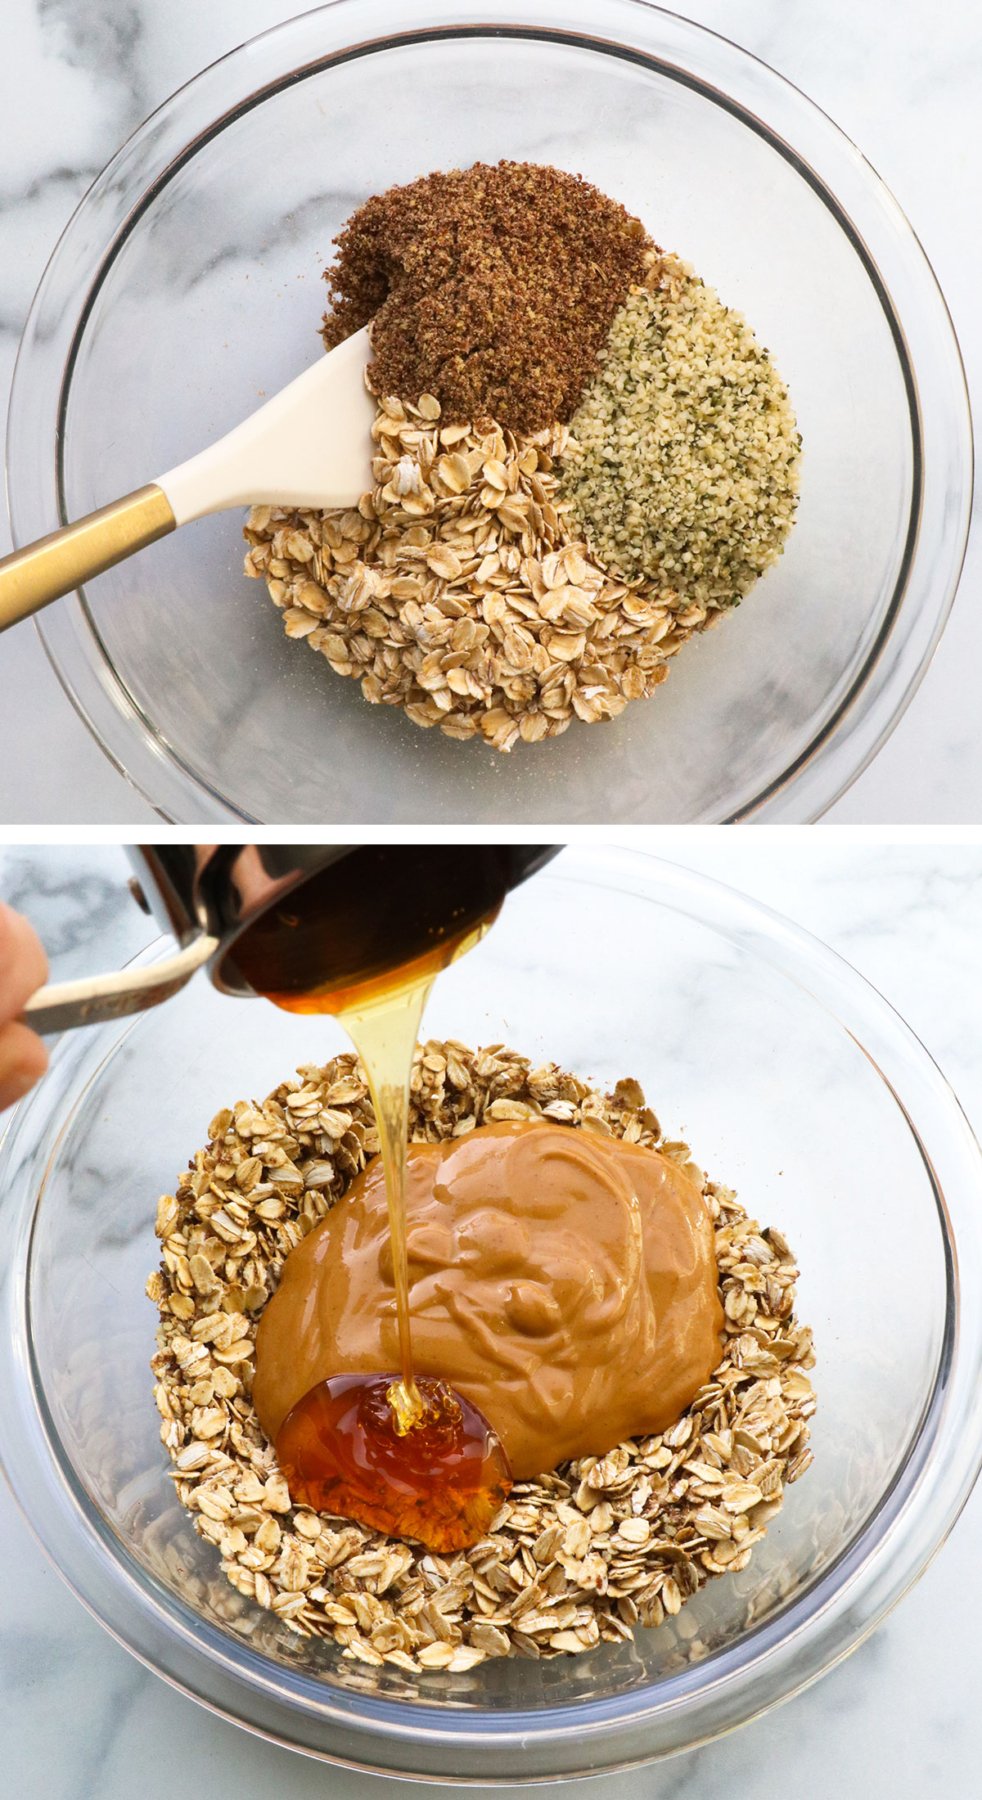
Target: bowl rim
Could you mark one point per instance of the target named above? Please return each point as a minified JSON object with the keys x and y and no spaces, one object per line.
{"x":893,"y":258}
{"x":804,"y":1638}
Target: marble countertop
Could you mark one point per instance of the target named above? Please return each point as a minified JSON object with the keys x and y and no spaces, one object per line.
{"x":902,"y":80}
{"x":82,"y":1720}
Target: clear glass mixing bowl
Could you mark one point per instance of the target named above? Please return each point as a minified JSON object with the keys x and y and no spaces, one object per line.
{"x":188,"y":285}
{"x":790,"y":1077}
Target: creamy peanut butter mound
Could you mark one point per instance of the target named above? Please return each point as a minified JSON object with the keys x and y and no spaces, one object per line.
{"x":565,"y":1283}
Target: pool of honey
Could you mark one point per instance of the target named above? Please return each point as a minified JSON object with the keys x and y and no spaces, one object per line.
{"x":441,"y":1480}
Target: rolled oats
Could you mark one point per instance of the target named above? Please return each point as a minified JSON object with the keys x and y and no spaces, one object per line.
{"x":577,"y":1557}
{"x":460,"y":591}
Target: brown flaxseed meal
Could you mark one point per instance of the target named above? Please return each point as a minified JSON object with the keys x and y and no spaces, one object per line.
{"x":492,"y":287}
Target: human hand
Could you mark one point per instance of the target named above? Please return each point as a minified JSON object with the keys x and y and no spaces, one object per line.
{"x":23,"y":968}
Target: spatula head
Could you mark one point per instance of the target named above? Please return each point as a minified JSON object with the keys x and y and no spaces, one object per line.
{"x":310,"y":445}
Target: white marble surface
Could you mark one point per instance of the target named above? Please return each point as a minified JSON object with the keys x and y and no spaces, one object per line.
{"x":81,"y":1720}
{"x":900,"y":76}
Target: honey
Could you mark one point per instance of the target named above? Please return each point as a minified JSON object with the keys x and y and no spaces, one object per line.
{"x":382,"y":1019}
{"x":441,"y":1480}
{"x":364,"y":941}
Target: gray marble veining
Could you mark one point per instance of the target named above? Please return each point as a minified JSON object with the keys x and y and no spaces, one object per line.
{"x":79,"y":1720}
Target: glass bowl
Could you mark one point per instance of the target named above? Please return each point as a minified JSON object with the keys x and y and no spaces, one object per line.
{"x":792,"y":1080}
{"x":188,"y":285}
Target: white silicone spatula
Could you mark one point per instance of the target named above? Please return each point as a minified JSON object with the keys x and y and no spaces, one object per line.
{"x":308,"y":446}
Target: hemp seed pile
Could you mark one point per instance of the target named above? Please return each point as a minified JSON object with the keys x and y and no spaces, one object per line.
{"x":682,"y":459}
{"x":575,"y":1558}
{"x":582,"y":458}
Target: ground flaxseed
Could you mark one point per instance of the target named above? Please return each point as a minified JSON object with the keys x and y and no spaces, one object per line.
{"x":492,"y":288}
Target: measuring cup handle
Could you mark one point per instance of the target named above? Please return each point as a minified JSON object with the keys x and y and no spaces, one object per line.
{"x":64,"y":1004}
{"x":56,"y":564}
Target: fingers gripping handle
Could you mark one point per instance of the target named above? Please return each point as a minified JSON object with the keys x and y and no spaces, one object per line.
{"x":61,"y":561}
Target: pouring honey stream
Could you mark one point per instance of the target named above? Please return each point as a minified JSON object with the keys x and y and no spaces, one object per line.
{"x":410,"y":1457}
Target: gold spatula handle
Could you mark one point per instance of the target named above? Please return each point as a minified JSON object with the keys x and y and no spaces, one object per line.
{"x":59,"y":562}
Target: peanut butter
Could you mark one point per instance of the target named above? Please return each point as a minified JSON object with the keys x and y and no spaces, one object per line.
{"x":564,"y":1283}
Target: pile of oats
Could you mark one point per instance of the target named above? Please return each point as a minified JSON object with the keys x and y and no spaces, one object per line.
{"x":684,"y":457}
{"x":459,"y":590}
{"x":575,"y":1558}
